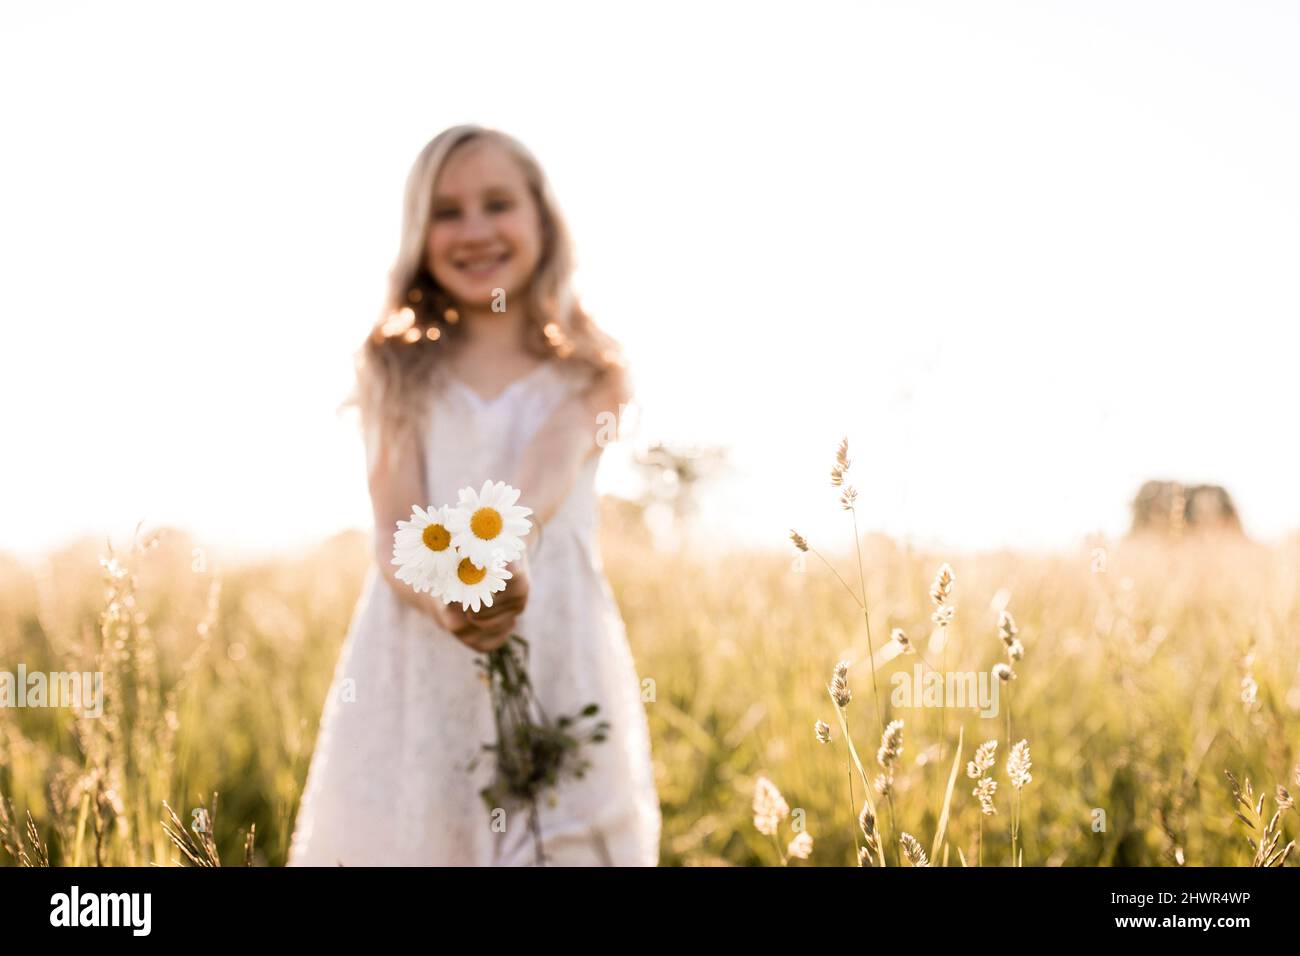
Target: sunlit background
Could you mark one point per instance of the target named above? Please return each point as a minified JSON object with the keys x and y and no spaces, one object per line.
{"x":1025,"y":255}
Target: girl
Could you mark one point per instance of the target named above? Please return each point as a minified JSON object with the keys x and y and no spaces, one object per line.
{"x":482,"y":366}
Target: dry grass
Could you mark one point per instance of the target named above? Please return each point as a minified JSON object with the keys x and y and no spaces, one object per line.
{"x":1141,"y":685}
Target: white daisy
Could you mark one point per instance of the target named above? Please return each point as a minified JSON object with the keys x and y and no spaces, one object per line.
{"x":422,"y":549}
{"x":472,"y":586}
{"x":487,"y":525}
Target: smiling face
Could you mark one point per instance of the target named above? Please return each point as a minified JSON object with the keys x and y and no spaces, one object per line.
{"x":485,"y":228}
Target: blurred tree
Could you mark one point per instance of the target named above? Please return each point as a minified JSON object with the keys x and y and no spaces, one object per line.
{"x":1172,"y":508}
{"x":674,"y":476}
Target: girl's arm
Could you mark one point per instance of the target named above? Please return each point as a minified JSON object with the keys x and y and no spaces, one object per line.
{"x":565,"y":441}
{"x":395,"y":472}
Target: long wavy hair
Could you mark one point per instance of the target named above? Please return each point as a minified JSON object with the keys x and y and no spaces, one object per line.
{"x":419,"y":324}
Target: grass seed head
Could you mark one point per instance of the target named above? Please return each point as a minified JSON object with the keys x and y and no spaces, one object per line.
{"x":1018,"y":764}
{"x":839,"y":687}
{"x":891,"y":745}
{"x":941,"y":589}
{"x":982,"y":762}
{"x":1007,"y":629}
{"x":984,"y":792}
{"x":770,"y":807}
{"x":912,"y":850}
{"x":801,"y":847}
{"x":841,"y":466}
{"x":867,"y":821}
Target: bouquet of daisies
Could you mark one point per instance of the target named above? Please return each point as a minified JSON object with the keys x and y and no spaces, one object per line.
{"x":459,"y":554}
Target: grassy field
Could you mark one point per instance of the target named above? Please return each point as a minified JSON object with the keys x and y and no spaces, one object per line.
{"x":1149,"y":670}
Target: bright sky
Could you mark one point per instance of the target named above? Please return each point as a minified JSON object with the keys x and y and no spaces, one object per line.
{"x":1025,"y":255}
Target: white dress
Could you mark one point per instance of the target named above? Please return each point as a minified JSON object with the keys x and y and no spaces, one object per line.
{"x":390,"y":780}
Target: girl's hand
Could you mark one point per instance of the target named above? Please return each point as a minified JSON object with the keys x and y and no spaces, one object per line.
{"x":452,"y":619}
{"x":487,"y":629}
{"x":494,"y":625}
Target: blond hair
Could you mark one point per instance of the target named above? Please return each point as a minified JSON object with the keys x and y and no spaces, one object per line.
{"x":419,"y":323}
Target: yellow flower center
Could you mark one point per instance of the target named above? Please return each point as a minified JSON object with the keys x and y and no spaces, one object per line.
{"x":435,"y":537}
{"x":469,"y":572}
{"x":486,"y":523}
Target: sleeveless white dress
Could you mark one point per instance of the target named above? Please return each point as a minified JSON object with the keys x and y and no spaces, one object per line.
{"x":390,"y":781}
